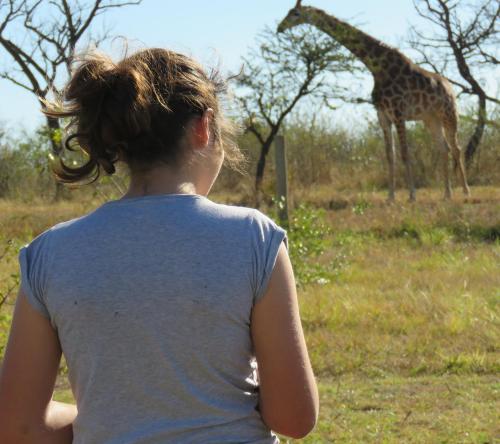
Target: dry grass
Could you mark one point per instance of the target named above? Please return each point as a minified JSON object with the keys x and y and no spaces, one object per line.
{"x":394,"y":410}
{"x":401,"y":310}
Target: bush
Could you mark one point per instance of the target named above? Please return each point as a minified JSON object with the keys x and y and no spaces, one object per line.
{"x":24,"y":167}
{"x":309,"y":237}
{"x":318,"y":153}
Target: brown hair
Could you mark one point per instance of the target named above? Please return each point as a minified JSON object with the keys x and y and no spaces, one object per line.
{"x":138,"y":108}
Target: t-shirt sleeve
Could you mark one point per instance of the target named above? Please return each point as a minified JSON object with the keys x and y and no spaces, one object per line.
{"x":267,"y":238}
{"x":32,"y":267}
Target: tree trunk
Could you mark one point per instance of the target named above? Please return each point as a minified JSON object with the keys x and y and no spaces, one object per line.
{"x":261,"y":165}
{"x":476,"y":137}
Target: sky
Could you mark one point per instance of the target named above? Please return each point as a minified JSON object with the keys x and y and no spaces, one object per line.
{"x":213,"y":31}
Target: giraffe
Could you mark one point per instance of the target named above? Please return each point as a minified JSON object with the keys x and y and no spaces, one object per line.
{"x":402,"y":92}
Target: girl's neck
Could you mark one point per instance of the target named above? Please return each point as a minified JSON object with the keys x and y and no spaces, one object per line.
{"x":161,"y":180}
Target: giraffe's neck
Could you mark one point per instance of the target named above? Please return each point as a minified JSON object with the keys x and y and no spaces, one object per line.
{"x":372,"y":52}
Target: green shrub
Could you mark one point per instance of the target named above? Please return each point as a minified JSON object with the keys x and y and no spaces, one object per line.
{"x":5,"y":321}
{"x":309,"y":237}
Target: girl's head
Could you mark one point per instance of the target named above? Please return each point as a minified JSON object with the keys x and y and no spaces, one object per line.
{"x":149,"y":109}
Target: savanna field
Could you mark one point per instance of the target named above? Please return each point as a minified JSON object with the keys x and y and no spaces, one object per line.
{"x":399,"y":303}
{"x":399,"y":300}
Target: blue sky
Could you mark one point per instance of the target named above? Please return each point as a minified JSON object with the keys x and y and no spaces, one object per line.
{"x":212,"y":31}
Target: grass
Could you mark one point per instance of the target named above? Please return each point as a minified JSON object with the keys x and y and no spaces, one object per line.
{"x":405,"y":340}
{"x":428,"y":409}
{"x":400,"y":310}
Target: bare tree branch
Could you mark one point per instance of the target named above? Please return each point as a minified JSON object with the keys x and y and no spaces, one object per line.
{"x":52,"y":35}
{"x":467,"y":34}
{"x":7,"y":76}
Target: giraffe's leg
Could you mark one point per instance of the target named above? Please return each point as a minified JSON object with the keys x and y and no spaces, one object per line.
{"x":386,"y":125}
{"x":451,"y":137}
{"x":405,"y":155}
{"x":446,"y":167}
{"x":436,"y":129}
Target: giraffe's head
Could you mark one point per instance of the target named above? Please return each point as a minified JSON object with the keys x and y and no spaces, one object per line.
{"x":294,"y":17}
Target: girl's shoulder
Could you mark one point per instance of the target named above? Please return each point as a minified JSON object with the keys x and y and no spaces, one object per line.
{"x":254,"y":215}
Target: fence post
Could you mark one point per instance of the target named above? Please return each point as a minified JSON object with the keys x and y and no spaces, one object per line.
{"x":281,"y":179}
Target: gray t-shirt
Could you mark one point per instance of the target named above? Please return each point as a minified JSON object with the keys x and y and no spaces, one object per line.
{"x":151,"y":298}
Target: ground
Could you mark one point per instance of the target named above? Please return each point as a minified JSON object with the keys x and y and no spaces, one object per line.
{"x":404,"y":335}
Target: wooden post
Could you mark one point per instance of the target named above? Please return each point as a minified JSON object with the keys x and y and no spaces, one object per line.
{"x":281,"y":179}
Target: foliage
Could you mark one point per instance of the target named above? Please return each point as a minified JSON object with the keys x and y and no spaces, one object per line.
{"x":24,"y":168}
{"x":308,"y":237}
{"x":5,"y":321}
{"x":319,"y":154}
{"x":286,"y":68}
{"x":10,"y":284}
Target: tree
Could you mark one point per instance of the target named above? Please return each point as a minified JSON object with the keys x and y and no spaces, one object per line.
{"x":468,"y":37}
{"x":45,"y":37}
{"x":285,"y":68}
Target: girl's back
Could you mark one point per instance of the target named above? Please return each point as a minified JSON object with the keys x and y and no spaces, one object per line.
{"x":156,"y":303}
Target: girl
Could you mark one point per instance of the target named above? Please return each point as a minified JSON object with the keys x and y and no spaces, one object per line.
{"x":163,"y":302}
